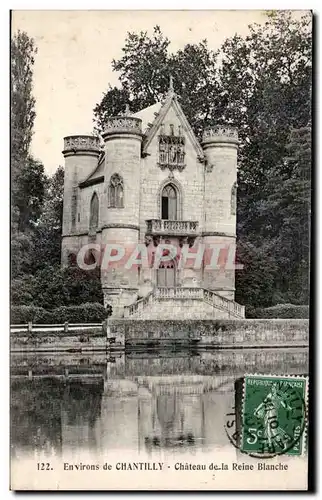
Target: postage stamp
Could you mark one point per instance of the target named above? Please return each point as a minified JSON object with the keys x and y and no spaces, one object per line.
{"x":274,"y":415}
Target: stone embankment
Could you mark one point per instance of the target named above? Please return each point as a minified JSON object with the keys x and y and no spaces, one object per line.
{"x":144,"y":334}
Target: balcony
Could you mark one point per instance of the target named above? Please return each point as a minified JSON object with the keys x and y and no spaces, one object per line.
{"x":165,"y":227}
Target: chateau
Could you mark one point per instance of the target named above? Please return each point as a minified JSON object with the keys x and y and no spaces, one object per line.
{"x":155,"y":184}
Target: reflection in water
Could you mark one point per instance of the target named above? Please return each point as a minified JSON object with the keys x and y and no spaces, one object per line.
{"x":35,"y":415}
{"x":135,"y":402}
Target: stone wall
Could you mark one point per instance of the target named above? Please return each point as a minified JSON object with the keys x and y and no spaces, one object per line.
{"x":120,"y":334}
{"x":80,"y":341}
{"x":212,"y":333}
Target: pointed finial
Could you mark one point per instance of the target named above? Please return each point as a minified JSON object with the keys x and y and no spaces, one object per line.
{"x":171,"y":89}
{"x":127,"y":109}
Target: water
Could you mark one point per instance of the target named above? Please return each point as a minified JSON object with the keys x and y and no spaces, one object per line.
{"x":144,"y":403}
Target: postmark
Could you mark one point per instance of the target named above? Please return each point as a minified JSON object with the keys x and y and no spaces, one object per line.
{"x":269,"y":416}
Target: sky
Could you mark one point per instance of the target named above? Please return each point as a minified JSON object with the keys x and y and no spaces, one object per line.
{"x":73,"y":65}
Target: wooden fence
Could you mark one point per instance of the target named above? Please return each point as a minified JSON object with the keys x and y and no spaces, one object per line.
{"x":62,"y":327}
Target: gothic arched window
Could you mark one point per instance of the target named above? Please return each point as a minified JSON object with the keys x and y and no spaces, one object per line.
{"x":116,"y":192}
{"x":94,"y":212}
{"x":169,"y":203}
{"x":233,"y":199}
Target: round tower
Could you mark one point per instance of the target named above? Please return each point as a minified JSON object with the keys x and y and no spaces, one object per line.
{"x":123,"y":137}
{"x":81,"y":154}
{"x":220,"y":145}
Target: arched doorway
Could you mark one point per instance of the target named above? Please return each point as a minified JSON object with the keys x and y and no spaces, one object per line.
{"x":166,"y":274}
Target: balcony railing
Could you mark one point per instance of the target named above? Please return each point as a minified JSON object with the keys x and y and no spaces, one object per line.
{"x":138,"y":306}
{"x":222,"y":303}
{"x":179,"y":293}
{"x":172,"y":227}
{"x":208,"y":296}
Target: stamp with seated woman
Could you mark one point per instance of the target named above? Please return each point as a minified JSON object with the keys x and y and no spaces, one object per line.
{"x":274,"y":415}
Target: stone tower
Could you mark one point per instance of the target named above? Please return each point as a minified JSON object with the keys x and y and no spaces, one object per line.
{"x":120,"y":223}
{"x":81,"y":154}
{"x":220,"y":146}
{"x":155,"y":185}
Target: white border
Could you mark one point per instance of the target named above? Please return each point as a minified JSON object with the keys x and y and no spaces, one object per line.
{"x":4,"y":184}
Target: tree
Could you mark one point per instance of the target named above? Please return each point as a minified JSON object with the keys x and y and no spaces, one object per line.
{"x":265,"y":101}
{"x":22,"y":101}
{"x":195,"y":69}
{"x":288,"y":207}
{"x":28,"y":191}
{"x":52,"y":212}
{"x":27,"y":174}
{"x":48,"y":230}
{"x":21,"y":253}
{"x":143,"y":75}
{"x":255,"y":282}
{"x":53,"y":286}
{"x":145,"y":70}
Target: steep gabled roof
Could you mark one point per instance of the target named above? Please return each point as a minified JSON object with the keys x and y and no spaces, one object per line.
{"x":155,"y":114}
{"x":152,"y":118}
{"x":148,"y":115}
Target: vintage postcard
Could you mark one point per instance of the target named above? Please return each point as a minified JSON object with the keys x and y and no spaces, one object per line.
{"x":160,"y":241}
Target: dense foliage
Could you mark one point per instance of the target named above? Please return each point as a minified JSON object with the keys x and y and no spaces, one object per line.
{"x":259,"y":83}
{"x":27,"y":174}
{"x":52,"y":287}
{"x":86,"y":313}
{"x":283,"y":311}
{"x":38,"y":282}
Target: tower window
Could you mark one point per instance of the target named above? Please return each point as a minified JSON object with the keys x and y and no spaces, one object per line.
{"x":116,"y":192}
{"x":233,"y":199}
{"x":94,"y":212}
{"x":169,"y":203}
{"x":74,"y":207}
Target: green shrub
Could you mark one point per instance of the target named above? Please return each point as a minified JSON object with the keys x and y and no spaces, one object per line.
{"x":85,"y":313}
{"x":45,"y":317}
{"x":24,"y":314}
{"x":53,"y":287}
{"x":21,"y":292}
{"x":285,"y":311}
